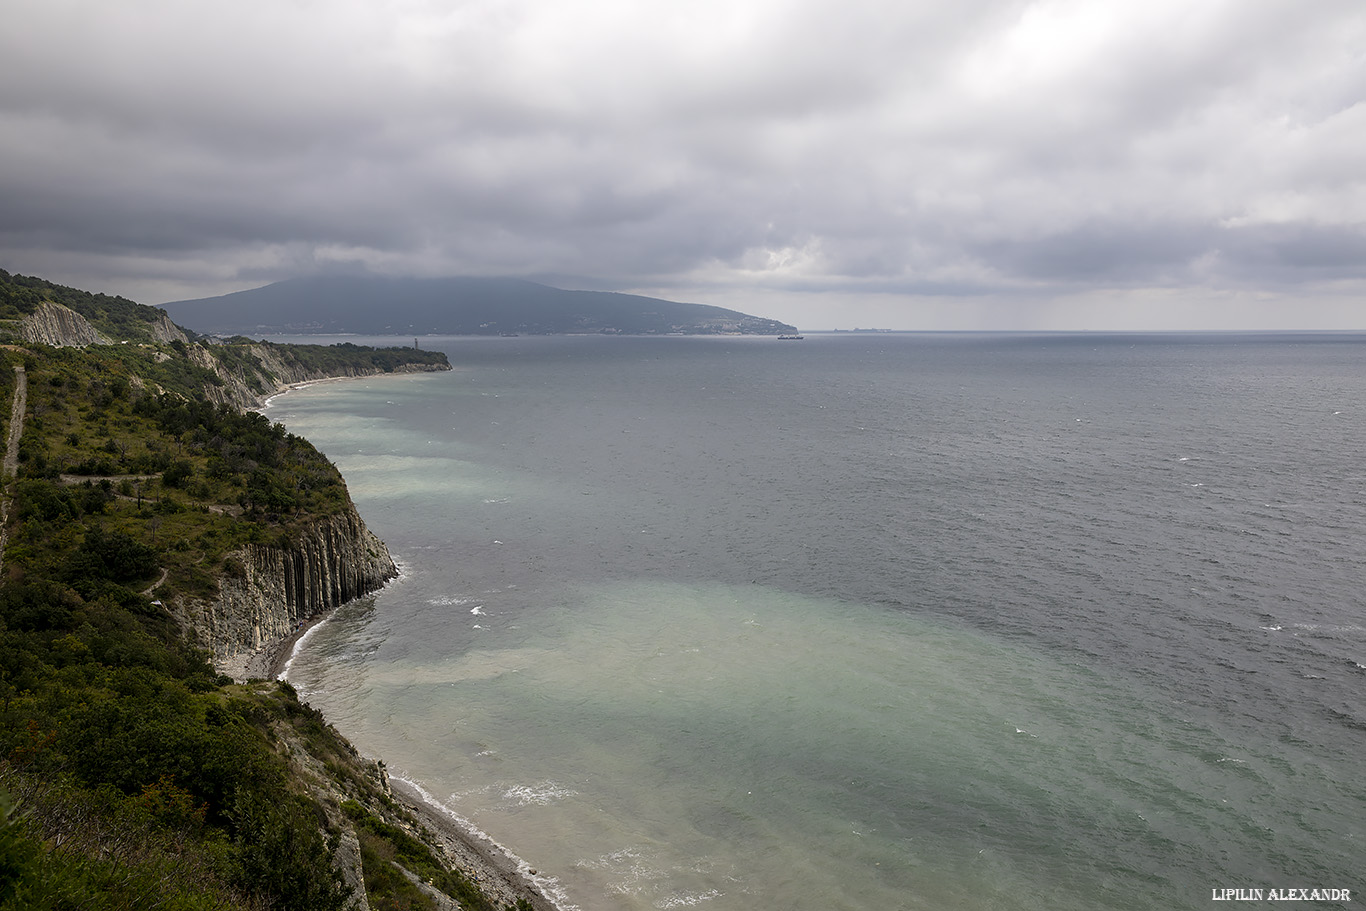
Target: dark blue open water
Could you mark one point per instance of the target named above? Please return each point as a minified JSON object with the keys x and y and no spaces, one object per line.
{"x":922,"y":622}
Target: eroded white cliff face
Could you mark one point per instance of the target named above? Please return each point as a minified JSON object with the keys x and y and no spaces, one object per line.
{"x":58,"y":326}
{"x":61,"y":327}
{"x":163,"y":330}
{"x":248,"y":387}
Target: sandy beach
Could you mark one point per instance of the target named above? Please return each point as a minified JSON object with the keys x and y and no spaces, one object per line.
{"x":264,"y":401}
{"x":499,"y":874}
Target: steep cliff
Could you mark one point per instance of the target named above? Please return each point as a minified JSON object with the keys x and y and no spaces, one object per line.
{"x":162,"y":329}
{"x":58,"y":326}
{"x":269,"y":591}
{"x":247,"y":374}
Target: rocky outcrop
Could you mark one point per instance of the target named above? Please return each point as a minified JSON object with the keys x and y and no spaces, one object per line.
{"x":58,"y":326}
{"x":268,"y":592}
{"x":234,"y":388}
{"x":163,"y":330}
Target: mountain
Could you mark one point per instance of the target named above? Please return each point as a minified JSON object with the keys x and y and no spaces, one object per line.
{"x":374,"y":305}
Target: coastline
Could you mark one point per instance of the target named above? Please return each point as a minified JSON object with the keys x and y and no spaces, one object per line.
{"x":501,"y":875}
{"x":264,"y":401}
{"x":270,"y":660}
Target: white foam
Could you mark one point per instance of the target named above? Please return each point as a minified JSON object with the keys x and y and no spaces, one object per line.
{"x":308,"y":633}
{"x":1330,"y":628}
{"x":548,"y":886}
{"x":298,"y":646}
{"x":683,"y":899}
{"x":632,"y":870}
{"x":269,"y":400}
{"x":538,"y":795}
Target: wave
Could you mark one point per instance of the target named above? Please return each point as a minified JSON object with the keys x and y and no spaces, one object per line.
{"x":449,"y":601}
{"x":685,"y":899}
{"x":549,"y":886}
{"x":298,"y":647}
{"x":638,"y":870}
{"x":538,"y":795}
{"x":299,"y":644}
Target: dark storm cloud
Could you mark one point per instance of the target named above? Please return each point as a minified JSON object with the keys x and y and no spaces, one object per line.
{"x":1289,"y":254}
{"x":1013,"y":151}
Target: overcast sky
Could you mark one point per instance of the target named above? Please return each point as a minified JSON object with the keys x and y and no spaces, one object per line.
{"x":833,"y":163}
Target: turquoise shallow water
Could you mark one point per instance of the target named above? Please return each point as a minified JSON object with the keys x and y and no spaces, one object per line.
{"x":897,"y":623}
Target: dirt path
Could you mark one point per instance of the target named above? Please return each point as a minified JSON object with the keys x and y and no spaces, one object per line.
{"x":16,"y":421}
{"x":11,"y":463}
{"x":153,"y":587}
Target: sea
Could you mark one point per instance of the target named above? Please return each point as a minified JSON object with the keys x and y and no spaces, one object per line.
{"x":868,"y":621}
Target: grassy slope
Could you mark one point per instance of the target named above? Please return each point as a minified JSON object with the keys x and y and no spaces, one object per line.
{"x":130,"y":775}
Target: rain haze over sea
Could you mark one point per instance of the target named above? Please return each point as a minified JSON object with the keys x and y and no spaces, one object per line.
{"x":868,"y":621}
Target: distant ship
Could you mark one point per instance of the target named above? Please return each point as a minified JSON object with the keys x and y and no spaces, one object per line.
{"x":791,"y":338}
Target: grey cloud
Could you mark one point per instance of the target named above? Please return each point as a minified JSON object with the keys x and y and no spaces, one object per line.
{"x":1285,"y":254}
{"x":1002,"y":148}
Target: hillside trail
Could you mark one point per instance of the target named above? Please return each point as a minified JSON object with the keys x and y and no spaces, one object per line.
{"x":147,"y":593}
{"x":11,"y":463}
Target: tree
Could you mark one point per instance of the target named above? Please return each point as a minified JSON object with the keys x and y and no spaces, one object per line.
{"x":112,"y":555}
{"x":179,"y":472}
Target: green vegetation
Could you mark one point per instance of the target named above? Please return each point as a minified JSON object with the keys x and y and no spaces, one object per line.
{"x":116,"y":482}
{"x":116,"y":317}
{"x":137,"y":772}
{"x":131,"y":774}
{"x":382,"y":844}
{"x":344,"y":357}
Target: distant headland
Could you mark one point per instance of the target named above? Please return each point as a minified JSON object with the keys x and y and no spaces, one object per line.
{"x":375,"y":305}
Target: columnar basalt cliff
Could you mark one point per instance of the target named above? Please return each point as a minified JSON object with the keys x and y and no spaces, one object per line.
{"x":269,"y":590}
